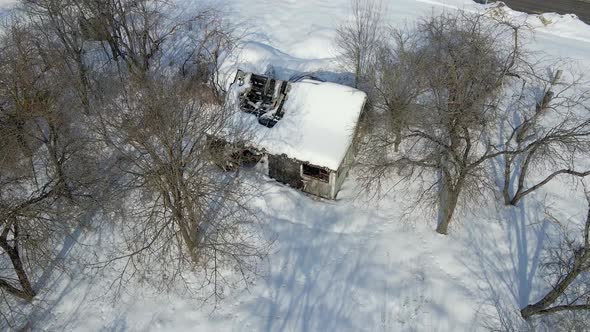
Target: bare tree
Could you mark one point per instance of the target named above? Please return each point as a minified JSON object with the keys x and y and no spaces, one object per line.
{"x":58,"y":31}
{"x":394,"y":85}
{"x":550,"y":128}
{"x":192,"y":219}
{"x":135,"y":31}
{"x":43,"y":179}
{"x":135,"y":36}
{"x":148,"y":33}
{"x":156,"y":97}
{"x":358,"y":39}
{"x":457,"y":65}
{"x":210,"y":39}
{"x":567,"y":268}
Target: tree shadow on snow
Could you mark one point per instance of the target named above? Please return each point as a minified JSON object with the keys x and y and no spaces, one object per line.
{"x":66,"y":281}
{"x":506,"y":260}
{"x":319,"y":274}
{"x":506,"y":264}
{"x":284,"y":73}
{"x":335,"y":268}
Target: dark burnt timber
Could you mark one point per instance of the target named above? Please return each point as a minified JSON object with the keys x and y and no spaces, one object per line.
{"x":264,"y":98}
{"x":581,"y":8}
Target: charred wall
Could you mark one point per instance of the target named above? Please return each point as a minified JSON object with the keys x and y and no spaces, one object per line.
{"x":285,"y":170}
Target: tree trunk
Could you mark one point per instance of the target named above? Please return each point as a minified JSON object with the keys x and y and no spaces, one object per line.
{"x":507,"y":173}
{"x":62,"y":185}
{"x":182,"y":223}
{"x":517,"y":197}
{"x":523,"y":172}
{"x":27,"y":293}
{"x":448,"y":202}
{"x":398,"y":137}
{"x":447,"y":211}
{"x":580,"y":258}
{"x":521,"y":177}
{"x":84,"y":83}
{"x":520,"y":193}
{"x":356,"y":79}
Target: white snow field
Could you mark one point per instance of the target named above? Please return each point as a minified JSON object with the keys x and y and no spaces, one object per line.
{"x":349,"y":264}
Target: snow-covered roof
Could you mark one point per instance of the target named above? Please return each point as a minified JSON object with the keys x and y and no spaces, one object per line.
{"x":317,"y":126}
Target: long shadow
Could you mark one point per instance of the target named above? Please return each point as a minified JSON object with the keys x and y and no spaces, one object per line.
{"x":525,"y":264}
{"x":344,"y":78}
{"x":307,"y":264}
{"x":51,"y":276}
{"x":328,"y":276}
{"x":283,"y":66}
{"x":508,"y":273}
{"x":69,"y":241}
{"x":498,"y":164}
{"x":316,"y":283}
{"x":524,"y":229}
{"x":51,"y":279}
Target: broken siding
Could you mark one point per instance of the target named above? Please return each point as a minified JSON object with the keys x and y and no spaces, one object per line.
{"x":289,"y":171}
{"x":320,"y":188}
{"x":285,"y":170}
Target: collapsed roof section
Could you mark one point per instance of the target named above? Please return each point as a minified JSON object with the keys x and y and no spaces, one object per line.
{"x":308,"y":120}
{"x":264,"y":97}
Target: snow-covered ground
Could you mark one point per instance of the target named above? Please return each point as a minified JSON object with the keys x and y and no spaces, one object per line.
{"x":344,"y":266}
{"x":349,"y":265}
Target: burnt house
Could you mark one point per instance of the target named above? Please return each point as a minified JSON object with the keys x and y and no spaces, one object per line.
{"x":305,"y":129}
